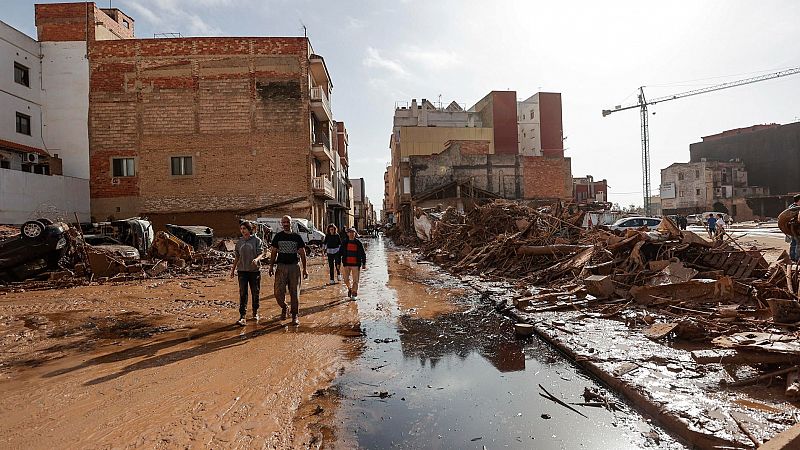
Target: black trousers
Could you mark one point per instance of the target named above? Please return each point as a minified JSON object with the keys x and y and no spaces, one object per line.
{"x":252,"y":279}
{"x":334,"y":260}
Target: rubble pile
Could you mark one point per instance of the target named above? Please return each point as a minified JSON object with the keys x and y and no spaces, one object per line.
{"x":670,"y":284}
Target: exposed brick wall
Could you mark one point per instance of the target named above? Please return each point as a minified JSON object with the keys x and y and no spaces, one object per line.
{"x":238,"y":106}
{"x":548,"y":178}
{"x":75,"y":22}
{"x":469,"y":147}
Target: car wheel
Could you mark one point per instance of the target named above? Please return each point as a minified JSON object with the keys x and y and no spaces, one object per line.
{"x":45,"y":221}
{"x":32,"y":229}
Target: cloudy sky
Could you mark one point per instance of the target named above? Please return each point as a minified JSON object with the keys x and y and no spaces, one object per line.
{"x":596,"y":54}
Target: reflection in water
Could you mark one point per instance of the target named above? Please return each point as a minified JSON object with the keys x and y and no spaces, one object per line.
{"x":462,"y":380}
{"x":460,"y":334}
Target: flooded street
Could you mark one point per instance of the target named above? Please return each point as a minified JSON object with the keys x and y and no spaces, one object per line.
{"x":441,"y":369}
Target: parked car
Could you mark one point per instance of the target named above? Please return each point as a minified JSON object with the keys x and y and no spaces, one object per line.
{"x":635,"y":223}
{"x":124,"y":252}
{"x":38,"y":247}
{"x":303,"y":227}
{"x":199,"y":237}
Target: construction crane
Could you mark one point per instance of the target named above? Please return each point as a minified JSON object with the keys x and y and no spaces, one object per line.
{"x":643,"y":103}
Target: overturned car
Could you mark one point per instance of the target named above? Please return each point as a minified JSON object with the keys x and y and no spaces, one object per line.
{"x":38,"y":248}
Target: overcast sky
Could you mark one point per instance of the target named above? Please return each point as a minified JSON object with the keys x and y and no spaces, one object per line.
{"x":595,"y":53}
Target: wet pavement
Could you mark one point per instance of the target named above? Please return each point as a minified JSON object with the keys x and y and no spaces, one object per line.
{"x":434,"y":375}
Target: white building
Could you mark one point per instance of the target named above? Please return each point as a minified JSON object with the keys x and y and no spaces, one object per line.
{"x":44,"y":137}
{"x":529,"y":134}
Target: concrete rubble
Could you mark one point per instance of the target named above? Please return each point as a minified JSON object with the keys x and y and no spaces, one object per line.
{"x":700,"y":334}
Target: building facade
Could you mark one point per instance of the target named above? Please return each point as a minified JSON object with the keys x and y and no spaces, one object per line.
{"x":43,"y":131}
{"x":586,"y":190}
{"x":540,"y":129}
{"x":697,"y":187}
{"x":771,"y":154}
{"x":203,"y":130}
{"x":424,"y":129}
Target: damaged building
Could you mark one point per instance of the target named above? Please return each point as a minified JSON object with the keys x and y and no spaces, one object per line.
{"x":187,"y":130}
{"x":440,"y":154}
{"x":771,"y":155}
{"x":697,"y":187}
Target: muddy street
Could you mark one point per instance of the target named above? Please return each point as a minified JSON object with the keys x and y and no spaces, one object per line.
{"x":441,"y":369}
{"x":417,"y":361}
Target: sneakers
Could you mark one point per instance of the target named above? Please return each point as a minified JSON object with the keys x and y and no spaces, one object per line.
{"x":283,"y":314}
{"x":257,"y":317}
{"x":339,"y":277}
{"x":332,"y":282}
{"x":295,"y":322}
{"x":241,"y":321}
{"x":354,"y":297}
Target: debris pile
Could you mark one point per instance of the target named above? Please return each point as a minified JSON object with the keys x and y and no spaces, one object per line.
{"x":71,"y":259}
{"x":670,"y":284}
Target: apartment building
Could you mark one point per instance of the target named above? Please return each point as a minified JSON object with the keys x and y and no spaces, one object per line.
{"x":44,"y":149}
{"x":540,"y":128}
{"x":428,"y":141}
{"x":696,"y":187}
{"x":204,"y":130}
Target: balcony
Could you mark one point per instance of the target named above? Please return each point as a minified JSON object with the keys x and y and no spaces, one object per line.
{"x":320,"y":105}
{"x":323,"y":187}
{"x":322,"y":151}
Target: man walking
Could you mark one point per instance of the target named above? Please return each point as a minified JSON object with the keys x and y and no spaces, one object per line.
{"x":712,"y":226}
{"x":354,"y":258}
{"x":249,"y":251}
{"x":287,"y":249}
{"x":793,"y":253}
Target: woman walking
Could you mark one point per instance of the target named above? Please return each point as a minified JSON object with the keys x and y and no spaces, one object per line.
{"x":333,"y":243}
{"x":249,"y":251}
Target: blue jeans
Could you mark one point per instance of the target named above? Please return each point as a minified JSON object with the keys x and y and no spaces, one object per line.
{"x":793,"y":249}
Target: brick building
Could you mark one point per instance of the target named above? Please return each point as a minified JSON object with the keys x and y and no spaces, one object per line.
{"x":201,"y":130}
{"x":585,"y":190}
{"x":429,"y":143}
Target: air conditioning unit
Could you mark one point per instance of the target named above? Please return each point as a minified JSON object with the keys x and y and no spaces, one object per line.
{"x":30,"y":158}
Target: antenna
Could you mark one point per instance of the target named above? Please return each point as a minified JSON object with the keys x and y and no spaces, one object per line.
{"x":305,"y":30}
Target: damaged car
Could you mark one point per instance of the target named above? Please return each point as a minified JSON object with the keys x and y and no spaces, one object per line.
{"x":126,"y":253}
{"x":39,"y":246}
{"x":198,"y":236}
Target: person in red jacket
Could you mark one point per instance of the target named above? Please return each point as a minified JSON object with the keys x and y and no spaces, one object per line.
{"x":354,"y":258}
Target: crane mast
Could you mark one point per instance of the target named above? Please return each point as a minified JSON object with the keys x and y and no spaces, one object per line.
{"x":643,"y":103}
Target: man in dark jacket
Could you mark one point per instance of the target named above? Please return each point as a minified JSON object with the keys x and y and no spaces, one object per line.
{"x":354,"y":258}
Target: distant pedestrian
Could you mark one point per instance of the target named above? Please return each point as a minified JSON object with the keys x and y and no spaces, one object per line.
{"x":287,"y":250}
{"x":682,"y":222}
{"x":354,"y":258}
{"x":248,"y":253}
{"x":720,"y":226}
{"x":332,"y":244}
{"x":794,"y":255}
{"x":712,"y":226}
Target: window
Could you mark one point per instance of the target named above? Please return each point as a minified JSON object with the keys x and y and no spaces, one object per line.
{"x":181,"y":165}
{"x":123,"y":167}
{"x":531,"y":116}
{"x":23,"y":124}
{"x":22,"y":75}
{"x":406,"y":185}
{"x":5,"y":164}
{"x":125,"y":23}
{"x":697,"y":174}
{"x":680,"y":176}
{"x":697,"y":192}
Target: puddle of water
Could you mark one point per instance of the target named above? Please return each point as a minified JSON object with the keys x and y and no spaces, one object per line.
{"x":460,"y":379}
